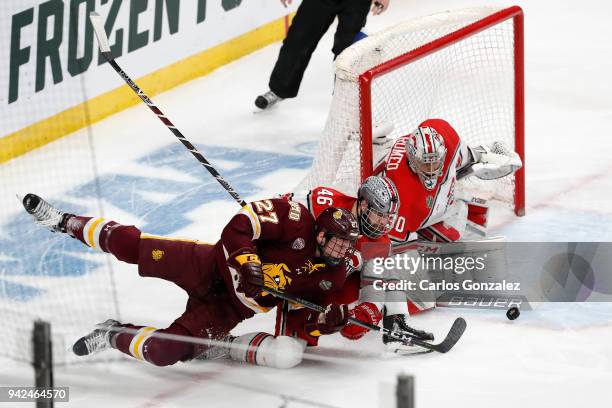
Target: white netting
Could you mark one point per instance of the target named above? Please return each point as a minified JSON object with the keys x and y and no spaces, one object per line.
{"x":44,"y":275}
{"x":469,"y":83}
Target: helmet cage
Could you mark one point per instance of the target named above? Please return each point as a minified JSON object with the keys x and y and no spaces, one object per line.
{"x":426,"y":153}
{"x":335,"y":249}
{"x":377,"y":217}
{"x":374,"y":223}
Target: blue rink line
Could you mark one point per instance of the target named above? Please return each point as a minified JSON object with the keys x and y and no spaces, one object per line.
{"x":28,"y":250}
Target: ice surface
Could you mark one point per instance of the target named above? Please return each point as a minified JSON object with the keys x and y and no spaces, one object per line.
{"x":557,"y":356}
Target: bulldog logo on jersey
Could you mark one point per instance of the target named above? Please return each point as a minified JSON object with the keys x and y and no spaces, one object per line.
{"x":275,"y":276}
{"x":157,"y":254}
{"x":298,"y":244}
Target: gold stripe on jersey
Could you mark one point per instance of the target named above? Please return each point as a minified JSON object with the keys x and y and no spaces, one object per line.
{"x":161,"y":238}
{"x":255,"y":224}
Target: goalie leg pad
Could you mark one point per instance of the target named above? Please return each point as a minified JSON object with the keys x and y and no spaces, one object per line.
{"x":478,"y":218}
{"x":439,"y":232}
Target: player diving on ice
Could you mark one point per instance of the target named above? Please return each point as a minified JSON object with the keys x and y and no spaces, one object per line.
{"x":273,"y":243}
{"x":375,"y":208}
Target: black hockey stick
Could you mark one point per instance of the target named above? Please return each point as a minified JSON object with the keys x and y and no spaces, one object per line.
{"x":453,"y":336}
{"x":98,"y":26}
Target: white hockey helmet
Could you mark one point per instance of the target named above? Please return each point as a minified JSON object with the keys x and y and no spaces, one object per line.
{"x":425,"y":151}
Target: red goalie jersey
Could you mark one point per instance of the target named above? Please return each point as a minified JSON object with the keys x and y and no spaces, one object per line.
{"x":424,"y":209}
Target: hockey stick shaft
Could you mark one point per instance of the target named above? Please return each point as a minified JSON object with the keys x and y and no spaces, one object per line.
{"x":451,"y":339}
{"x":105,"y":50}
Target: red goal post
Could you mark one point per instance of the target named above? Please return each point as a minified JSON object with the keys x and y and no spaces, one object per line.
{"x":465,"y":66}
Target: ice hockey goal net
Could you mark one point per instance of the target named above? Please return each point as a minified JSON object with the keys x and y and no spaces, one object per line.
{"x":463,"y":66}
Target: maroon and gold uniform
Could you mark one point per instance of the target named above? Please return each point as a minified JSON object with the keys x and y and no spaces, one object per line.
{"x":320,"y":198}
{"x":280,"y":233}
{"x":317,"y":200}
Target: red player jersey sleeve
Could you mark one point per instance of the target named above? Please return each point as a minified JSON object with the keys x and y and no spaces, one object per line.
{"x":320,"y":198}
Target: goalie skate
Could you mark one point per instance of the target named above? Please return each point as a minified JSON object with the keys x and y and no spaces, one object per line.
{"x":96,"y":341}
{"x":45,"y":214}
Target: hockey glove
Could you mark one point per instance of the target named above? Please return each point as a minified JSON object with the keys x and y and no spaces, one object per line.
{"x":494,"y":161}
{"x":249,"y":269}
{"x":366,"y":312}
{"x":332,"y":320}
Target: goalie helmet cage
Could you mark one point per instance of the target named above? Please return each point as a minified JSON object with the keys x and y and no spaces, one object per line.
{"x":464,"y":66}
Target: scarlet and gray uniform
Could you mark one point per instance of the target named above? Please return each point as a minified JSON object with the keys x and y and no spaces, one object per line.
{"x":280,"y":232}
{"x":320,"y":198}
{"x":317,"y":200}
{"x":424,"y":210}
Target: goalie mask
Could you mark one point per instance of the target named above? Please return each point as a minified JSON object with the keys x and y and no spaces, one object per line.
{"x":377,"y":206}
{"x":340,"y":235}
{"x":426,"y":152}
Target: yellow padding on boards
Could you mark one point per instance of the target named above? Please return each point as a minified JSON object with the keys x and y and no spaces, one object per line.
{"x":102,"y":106}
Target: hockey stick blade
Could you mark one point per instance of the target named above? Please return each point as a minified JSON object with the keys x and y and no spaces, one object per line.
{"x":453,"y":336}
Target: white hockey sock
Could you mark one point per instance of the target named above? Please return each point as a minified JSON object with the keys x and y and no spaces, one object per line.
{"x":266,"y":350}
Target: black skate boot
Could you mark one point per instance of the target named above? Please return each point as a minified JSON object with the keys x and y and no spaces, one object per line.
{"x":45,"y":214}
{"x":267,"y":100}
{"x":97,"y":340}
{"x":398,"y":323}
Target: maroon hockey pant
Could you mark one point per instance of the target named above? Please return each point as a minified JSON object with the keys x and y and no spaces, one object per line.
{"x":210,"y":313}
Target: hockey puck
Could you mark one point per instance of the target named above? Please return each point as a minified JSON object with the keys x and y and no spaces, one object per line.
{"x":513,"y":313}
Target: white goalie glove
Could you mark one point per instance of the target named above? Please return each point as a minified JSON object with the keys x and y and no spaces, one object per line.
{"x":494,"y":161}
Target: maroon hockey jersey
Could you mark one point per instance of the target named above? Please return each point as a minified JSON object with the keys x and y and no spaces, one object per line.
{"x":283,"y":235}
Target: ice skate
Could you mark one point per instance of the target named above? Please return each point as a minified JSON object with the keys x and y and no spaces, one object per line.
{"x":96,"y":341}
{"x":45,"y":214}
